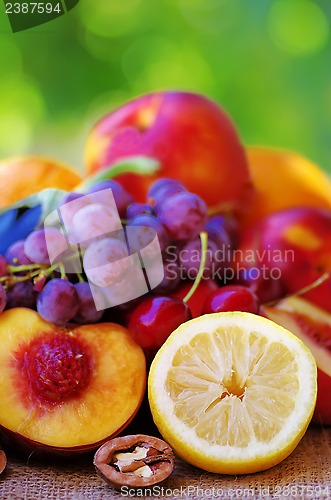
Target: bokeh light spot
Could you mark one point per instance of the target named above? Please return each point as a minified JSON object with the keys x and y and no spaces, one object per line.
{"x":158,"y":63}
{"x":11,"y":59}
{"x":208,"y":16}
{"x":110,"y":19}
{"x":298,"y":27}
{"x":22,"y":95}
{"x":15,"y":134}
{"x":21,"y":108}
{"x":101,"y":48}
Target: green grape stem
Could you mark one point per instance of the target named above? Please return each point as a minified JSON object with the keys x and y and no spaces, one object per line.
{"x":36,"y":271}
{"x":132,"y":164}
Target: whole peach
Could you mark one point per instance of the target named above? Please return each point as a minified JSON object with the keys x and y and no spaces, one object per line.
{"x":192,"y":137}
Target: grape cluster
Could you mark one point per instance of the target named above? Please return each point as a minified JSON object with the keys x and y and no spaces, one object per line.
{"x":112,"y":260}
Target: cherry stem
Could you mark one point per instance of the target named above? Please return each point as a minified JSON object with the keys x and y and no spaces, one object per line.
{"x":204,"y":245}
{"x":325,"y":276}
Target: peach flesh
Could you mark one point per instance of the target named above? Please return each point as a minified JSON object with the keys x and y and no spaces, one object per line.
{"x":313,"y":326}
{"x":56,"y":366}
{"x":111,"y":388}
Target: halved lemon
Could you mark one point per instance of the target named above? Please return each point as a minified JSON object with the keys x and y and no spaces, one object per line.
{"x":232,"y":392}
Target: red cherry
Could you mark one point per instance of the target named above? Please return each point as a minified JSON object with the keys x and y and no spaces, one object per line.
{"x":197,"y":300}
{"x":231,"y":298}
{"x":155,"y":318}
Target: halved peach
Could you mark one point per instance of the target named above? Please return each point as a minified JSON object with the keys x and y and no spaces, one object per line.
{"x":66,"y":389}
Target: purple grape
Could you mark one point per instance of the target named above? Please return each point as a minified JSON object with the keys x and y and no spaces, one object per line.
{"x":3,"y":266}
{"x":94,"y":220}
{"x":233,"y":230}
{"x":121,"y":197}
{"x":70,"y":205}
{"x":99,"y":254}
{"x":223,"y":230}
{"x":147,"y":226}
{"x":108,"y":265}
{"x":218,"y":234}
{"x":218,"y":228}
{"x":15,"y":254}
{"x":161,"y":187}
{"x":87,"y":312}
{"x":190,"y":258}
{"x":184,"y":215}
{"x":70,"y":197}
{"x":171,"y":279}
{"x":58,"y":302}
{"x":135,"y":209}
{"x":3,"y":298}
{"x":22,"y":294}
{"x":35,"y":246}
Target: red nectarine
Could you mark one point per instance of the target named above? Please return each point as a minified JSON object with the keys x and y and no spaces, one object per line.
{"x":292,"y":246}
{"x":190,"y":135}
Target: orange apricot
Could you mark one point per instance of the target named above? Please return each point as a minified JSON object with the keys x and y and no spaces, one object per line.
{"x":26,"y":175}
{"x":282,"y":180}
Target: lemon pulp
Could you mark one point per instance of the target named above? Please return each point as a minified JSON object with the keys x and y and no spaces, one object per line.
{"x":232,"y":392}
{"x":243,"y":383}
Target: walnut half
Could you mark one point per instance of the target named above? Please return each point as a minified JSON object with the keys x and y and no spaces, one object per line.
{"x":3,"y":461}
{"x":136,"y":461}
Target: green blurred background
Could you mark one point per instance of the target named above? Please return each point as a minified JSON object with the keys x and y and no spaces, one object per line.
{"x":268,"y":62}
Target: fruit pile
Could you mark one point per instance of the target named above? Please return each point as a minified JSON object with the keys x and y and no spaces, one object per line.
{"x":176,"y":265}
{"x":174,"y":215}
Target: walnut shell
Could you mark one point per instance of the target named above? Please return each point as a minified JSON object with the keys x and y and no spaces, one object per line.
{"x":149,"y":468}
